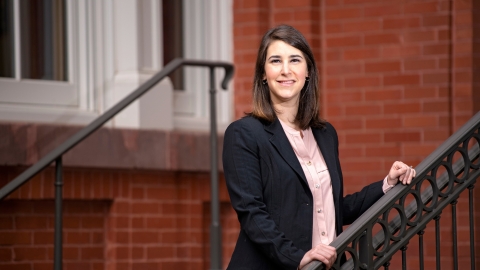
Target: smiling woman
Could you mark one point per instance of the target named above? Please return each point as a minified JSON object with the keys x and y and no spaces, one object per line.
{"x":282,"y":167}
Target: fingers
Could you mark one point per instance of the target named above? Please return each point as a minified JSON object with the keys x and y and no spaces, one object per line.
{"x":324,"y":253}
{"x":401,"y":172}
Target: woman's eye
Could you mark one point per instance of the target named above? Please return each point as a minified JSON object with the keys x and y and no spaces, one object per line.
{"x":275,"y":61}
{"x":295,"y":60}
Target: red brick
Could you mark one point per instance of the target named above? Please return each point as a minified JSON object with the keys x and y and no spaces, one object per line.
{"x":144,"y":237}
{"x":6,"y":254}
{"x":421,"y":7}
{"x":292,"y":4}
{"x":402,"y":108}
{"x":363,"y":138}
{"x":382,"y":11}
{"x":419,"y":64}
{"x":435,"y":78}
{"x":383,"y":95}
{"x":145,"y":208}
{"x":344,"y":69}
{"x":92,"y":222}
{"x":363,"y":109}
{"x":333,"y":28}
{"x":91,"y":253}
{"x":383,"y":151}
{"x":402,"y":136}
{"x":11,"y":238}
{"x":361,"y":25}
{"x":396,"y":51}
{"x":419,"y":36}
{"x":400,"y":23}
{"x":379,"y":39}
{"x":359,"y":166}
{"x":161,"y":252}
{"x":344,"y":96}
{"x":418,"y":150}
{"x":6,"y":223}
{"x":421,"y":121}
{"x":346,"y":41}
{"x":436,"y":20}
{"x":436,"y":49}
{"x":420,"y":92}
{"x":401,"y":79}
{"x":436,"y":106}
{"x":30,"y":222}
{"x":29,"y":253}
{"x":383,"y":123}
{"x":343,"y":13}
{"x":384,"y":66}
{"x":362,"y":82}
{"x":345,"y":124}
{"x":361,"y":53}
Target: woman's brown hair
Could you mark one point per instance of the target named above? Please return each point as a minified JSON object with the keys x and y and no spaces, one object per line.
{"x":308,"y":105}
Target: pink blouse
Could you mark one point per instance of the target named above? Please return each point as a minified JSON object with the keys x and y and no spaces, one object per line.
{"x":318,"y":178}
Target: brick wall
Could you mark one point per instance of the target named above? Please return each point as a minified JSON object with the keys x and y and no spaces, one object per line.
{"x":114,"y":219}
{"x":397,"y":80}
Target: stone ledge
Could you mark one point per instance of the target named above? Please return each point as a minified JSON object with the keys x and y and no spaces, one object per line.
{"x":24,"y":144}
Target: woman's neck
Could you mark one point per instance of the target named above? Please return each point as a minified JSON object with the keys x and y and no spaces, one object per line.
{"x":287,"y":113}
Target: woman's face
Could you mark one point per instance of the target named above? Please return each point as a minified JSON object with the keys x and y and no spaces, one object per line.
{"x":285,"y":72}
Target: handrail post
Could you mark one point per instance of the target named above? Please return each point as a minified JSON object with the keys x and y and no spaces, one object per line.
{"x":58,"y":242}
{"x":365,"y":249}
{"x":215,"y":229}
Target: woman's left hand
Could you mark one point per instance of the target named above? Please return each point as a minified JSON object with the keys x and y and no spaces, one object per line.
{"x":400,"y":172}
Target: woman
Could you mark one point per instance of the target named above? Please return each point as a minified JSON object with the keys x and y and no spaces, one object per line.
{"x":281,"y":165}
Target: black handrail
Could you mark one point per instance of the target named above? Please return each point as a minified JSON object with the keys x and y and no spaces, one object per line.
{"x":57,"y":153}
{"x":356,"y":231}
{"x":109,"y":114}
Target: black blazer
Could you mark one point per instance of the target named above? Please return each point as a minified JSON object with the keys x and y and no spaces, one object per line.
{"x":270,"y":193}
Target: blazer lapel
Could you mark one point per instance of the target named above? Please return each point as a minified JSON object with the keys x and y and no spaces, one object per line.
{"x":327,"y":147}
{"x":282,"y":144}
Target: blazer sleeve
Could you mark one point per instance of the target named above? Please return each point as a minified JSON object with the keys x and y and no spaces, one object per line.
{"x":241,"y":163}
{"x":354,"y":205}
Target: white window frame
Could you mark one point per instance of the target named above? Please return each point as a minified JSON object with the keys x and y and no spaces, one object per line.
{"x":72,"y":101}
{"x":208,"y":30}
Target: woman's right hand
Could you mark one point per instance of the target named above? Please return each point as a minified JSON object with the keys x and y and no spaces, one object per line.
{"x":324,"y":253}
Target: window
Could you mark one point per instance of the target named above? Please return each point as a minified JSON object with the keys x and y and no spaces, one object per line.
{"x":198,"y":30}
{"x":36,"y":47}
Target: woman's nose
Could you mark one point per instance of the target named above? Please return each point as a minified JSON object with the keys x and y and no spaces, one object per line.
{"x":285,"y":68}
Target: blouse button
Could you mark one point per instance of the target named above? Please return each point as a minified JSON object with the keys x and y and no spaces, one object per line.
{"x":309,"y":163}
{"x":319,"y":211}
{"x":317,"y":185}
{"x":323,"y":233}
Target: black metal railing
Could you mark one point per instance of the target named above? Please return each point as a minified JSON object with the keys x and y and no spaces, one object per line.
{"x":450,"y":170}
{"x":57,"y":153}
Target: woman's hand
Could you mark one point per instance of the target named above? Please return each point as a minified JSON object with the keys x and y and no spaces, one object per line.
{"x":400,"y":172}
{"x":324,"y":253}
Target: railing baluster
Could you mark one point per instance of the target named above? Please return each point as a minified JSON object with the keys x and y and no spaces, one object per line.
{"x":437,"y":239}
{"x":57,"y":257}
{"x":365,"y":249}
{"x":404,"y":257}
{"x":215,"y":228}
{"x":386,"y":265}
{"x":472,"y":236}
{"x":454,"y":233}
{"x":420,"y":247}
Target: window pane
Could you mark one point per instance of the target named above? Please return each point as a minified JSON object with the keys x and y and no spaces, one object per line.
{"x":173,"y":37}
{"x":7,"y":59}
{"x":43,"y":39}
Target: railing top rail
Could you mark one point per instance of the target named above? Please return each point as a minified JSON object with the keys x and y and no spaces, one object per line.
{"x":398,"y":191}
{"x":109,"y":114}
